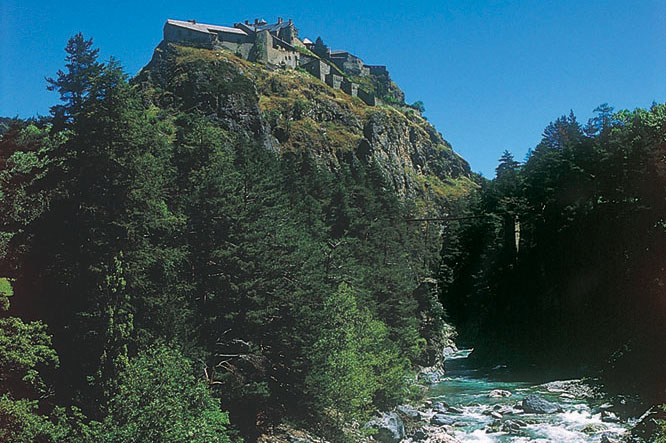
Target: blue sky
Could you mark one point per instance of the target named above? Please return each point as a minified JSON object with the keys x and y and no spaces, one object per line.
{"x":492,"y":74}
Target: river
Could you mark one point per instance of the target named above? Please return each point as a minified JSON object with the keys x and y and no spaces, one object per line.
{"x":466,"y":390}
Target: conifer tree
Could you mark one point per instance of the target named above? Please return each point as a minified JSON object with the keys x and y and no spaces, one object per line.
{"x":75,"y":84}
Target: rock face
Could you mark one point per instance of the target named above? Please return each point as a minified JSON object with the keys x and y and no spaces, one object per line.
{"x":430,"y":375}
{"x":534,"y":404}
{"x":390,"y":428}
{"x":207,"y":85}
{"x":291,"y":111}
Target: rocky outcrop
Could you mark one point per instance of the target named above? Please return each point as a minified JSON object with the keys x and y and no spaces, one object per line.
{"x":430,"y":375}
{"x":288,"y":110}
{"x":195,"y":80}
{"x":389,"y":428}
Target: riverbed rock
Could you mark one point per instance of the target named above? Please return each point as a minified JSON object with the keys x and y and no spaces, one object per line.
{"x":499,"y":393}
{"x":609,"y":417}
{"x":493,"y":427}
{"x":454,"y":410}
{"x":536,"y":405}
{"x":448,"y":351}
{"x":440,"y":406}
{"x":409,"y":412}
{"x":510,"y":427}
{"x":389,"y":426}
{"x":441,"y":436}
{"x":594,"y":428}
{"x":496,"y":415}
{"x":419,"y":435}
{"x":607,"y":438}
{"x":441,"y":420}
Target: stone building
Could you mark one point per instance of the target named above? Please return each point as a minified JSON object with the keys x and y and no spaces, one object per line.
{"x":213,"y":36}
{"x":349,"y":63}
{"x":259,"y":41}
{"x":318,"y":68}
{"x":278,"y":44}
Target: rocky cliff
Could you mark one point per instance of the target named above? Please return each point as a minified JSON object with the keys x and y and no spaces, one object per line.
{"x":290,"y":110}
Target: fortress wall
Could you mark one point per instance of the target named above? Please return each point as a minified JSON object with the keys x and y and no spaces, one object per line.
{"x":334,"y":80}
{"x":318,"y":69}
{"x":377,"y":70}
{"x":368,"y":98}
{"x":243,"y":49}
{"x":350,"y":88}
{"x":177,"y":34}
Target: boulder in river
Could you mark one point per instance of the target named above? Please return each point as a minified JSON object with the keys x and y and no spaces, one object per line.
{"x":499,"y":393}
{"x":389,"y":426}
{"x":440,"y":406}
{"x":536,"y":405}
{"x":609,"y":417}
{"x":594,"y":428}
{"x":454,"y":410}
{"x":510,"y":427}
{"x":441,"y":420}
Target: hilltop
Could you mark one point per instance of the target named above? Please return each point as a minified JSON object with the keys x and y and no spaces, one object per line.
{"x":287,"y":108}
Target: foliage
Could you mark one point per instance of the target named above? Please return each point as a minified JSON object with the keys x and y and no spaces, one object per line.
{"x":581,"y":283}
{"x":75,"y":85}
{"x":419,"y":106}
{"x":352,"y":359}
{"x":160,"y":399}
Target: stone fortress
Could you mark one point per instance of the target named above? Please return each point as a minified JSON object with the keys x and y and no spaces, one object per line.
{"x":278,"y":44}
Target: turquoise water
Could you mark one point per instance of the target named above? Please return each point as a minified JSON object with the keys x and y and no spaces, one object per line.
{"x":467,"y":389}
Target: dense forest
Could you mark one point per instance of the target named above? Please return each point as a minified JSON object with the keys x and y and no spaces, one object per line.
{"x":160,"y":270}
{"x":564,"y":268}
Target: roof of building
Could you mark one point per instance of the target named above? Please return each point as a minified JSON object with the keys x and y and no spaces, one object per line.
{"x":307,"y":41}
{"x":263,"y":26}
{"x":202,"y":27}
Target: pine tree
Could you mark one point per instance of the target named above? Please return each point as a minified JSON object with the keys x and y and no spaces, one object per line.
{"x":75,"y":84}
